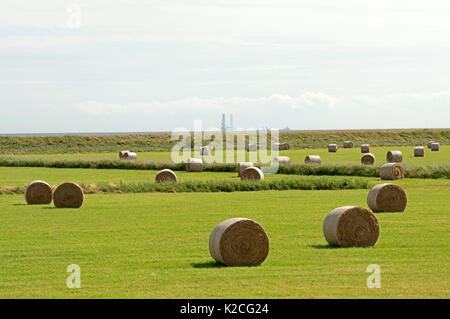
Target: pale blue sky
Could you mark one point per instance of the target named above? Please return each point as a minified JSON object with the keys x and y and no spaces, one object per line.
{"x":133,"y":65}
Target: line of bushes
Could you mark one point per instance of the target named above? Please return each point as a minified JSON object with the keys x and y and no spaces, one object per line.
{"x":307,"y":183}
{"x":411,"y":171}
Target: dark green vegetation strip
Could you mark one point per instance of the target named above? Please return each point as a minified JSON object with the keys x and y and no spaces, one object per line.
{"x":321,"y":183}
{"x":411,"y":171}
{"x":163,"y":142}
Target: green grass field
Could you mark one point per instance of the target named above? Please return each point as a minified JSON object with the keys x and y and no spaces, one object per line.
{"x":156,"y":246}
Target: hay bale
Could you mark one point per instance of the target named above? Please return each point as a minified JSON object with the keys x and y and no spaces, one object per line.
{"x":122,"y":154}
{"x":252,"y":174}
{"x":351,"y":226}
{"x":127,"y":155}
{"x":252,"y":148}
{"x":348,"y":144}
{"x":368,"y":159}
{"x":205,"y":151}
{"x":38,"y":193}
{"x":435,"y":147}
{"x":394,"y":157}
{"x":365,"y":148}
{"x":282,"y":160}
{"x":313,"y":159}
{"x":166,"y":175}
{"x":239,"y":242}
{"x":429,"y":143}
{"x":419,"y":151}
{"x":387,"y":198}
{"x":332,"y":148}
{"x":285,"y":147}
{"x":392,"y":171}
{"x":68,"y":195}
{"x":194,"y":165}
{"x":243,"y":166}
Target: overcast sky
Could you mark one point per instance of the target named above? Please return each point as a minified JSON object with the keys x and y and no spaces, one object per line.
{"x":130,"y":65}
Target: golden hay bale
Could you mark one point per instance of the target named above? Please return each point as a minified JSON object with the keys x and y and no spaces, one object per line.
{"x":166,"y":175}
{"x":243,"y":166}
{"x":252,"y":148}
{"x":365,"y":148}
{"x":394,"y":157}
{"x":194,"y":165}
{"x":38,"y":193}
{"x":351,"y":226}
{"x":68,"y":195}
{"x":419,"y":151}
{"x":332,"y":148}
{"x":282,"y":160}
{"x":387,"y":198}
{"x":252,"y":174}
{"x":391,"y":171}
{"x":239,"y":242}
{"x":205,"y":151}
{"x":429,"y":143}
{"x":368,"y":159}
{"x":435,"y":147}
{"x":313,"y":159}
{"x":348,"y":144}
{"x":122,"y":154}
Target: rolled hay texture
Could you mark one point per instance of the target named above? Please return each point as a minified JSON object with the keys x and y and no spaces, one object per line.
{"x":282,"y":160}
{"x":252,"y":174}
{"x":332,"y":148}
{"x":435,"y":147}
{"x":38,"y":193}
{"x":313,"y":159}
{"x":205,"y":151}
{"x":194,"y":165}
{"x":365,"y":148}
{"x":368,"y":159}
{"x":419,"y":151}
{"x":348,"y":144}
{"x":394,"y":157}
{"x":166,"y":175}
{"x":68,"y":195}
{"x":429,"y":144}
{"x":239,"y":242}
{"x":387,"y":198}
{"x":351,"y":226}
{"x":252,"y":148}
{"x":392,"y":171}
{"x":285,"y":147}
{"x":243,"y":166}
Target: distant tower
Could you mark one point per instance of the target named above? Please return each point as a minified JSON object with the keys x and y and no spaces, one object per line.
{"x":224,"y":124}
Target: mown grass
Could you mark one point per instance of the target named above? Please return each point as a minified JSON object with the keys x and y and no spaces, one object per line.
{"x":163,"y":142}
{"x":156,"y":246}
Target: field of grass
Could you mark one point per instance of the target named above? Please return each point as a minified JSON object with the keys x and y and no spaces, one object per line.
{"x":156,"y":246}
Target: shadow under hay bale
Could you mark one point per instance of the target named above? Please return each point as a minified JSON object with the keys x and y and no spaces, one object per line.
{"x":38,"y":193}
{"x":387,"y":198}
{"x":239,"y":242}
{"x":351,"y":226}
{"x":68,"y":195}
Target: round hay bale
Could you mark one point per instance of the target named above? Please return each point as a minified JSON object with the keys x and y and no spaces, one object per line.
{"x":166,"y":175}
{"x":429,"y":144}
{"x":394,"y":157}
{"x":419,"y":151}
{"x":252,"y":174}
{"x":205,"y":151}
{"x":348,"y":144}
{"x":392,"y":171}
{"x":282,"y":160}
{"x":194,"y":165}
{"x":285,"y":147}
{"x":38,"y":193}
{"x":122,"y":154}
{"x":252,"y":148}
{"x":365,"y":148}
{"x":239,"y":242}
{"x":368,"y":159}
{"x":351,"y":226}
{"x":68,"y":195}
{"x":332,"y":148}
{"x":387,"y":198}
{"x":313,"y":159}
{"x":435,"y":147}
{"x":130,"y":156}
{"x":243,"y":166}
